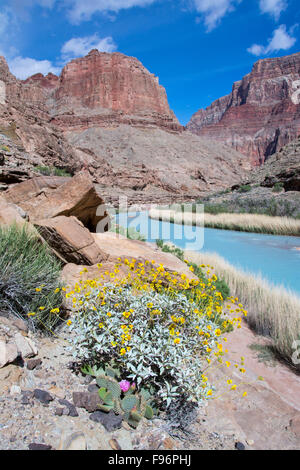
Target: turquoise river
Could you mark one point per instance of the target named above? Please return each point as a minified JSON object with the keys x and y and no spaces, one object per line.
{"x":275,"y":258}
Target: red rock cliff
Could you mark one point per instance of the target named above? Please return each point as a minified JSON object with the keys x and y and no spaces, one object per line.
{"x":101,"y":89}
{"x":260,"y":115}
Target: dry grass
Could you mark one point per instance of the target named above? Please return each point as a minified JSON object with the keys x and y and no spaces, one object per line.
{"x":242,"y":222}
{"x":272,"y":311}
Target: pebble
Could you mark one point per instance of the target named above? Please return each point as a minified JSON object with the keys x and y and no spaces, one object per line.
{"x":33,"y":363}
{"x":71,"y":408}
{"x":110,"y":420}
{"x":15,"y":390}
{"x":74,"y":441}
{"x":35,"y":446}
{"x":43,"y":396}
{"x":239,"y":446}
{"x":114,"y":444}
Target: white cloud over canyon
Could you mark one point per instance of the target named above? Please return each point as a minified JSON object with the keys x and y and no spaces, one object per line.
{"x":282,"y":40}
{"x":78,"y":47}
{"x":24,"y":67}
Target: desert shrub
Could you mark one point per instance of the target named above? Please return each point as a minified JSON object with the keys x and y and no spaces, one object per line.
{"x":160,"y":330}
{"x":245,"y":188}
{"x":277,"y":188}
{"x":216,"y":208}
{"x":51,"y":171}
{"x":5,"y":148}
{"x":29,"y":278}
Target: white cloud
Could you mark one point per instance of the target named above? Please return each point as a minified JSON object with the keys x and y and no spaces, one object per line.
{"x":281,"y":40}
{"x":256,"y":49}
{"x":4,"y":22}
{"x":83,"y":10}
{"x":78,"y":47}
{"x":273,"y":7}
{"x":214,"y":10}
{"x":24,"y":67}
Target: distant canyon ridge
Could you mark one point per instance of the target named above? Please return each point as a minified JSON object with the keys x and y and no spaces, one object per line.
{"x":261,"y":114}
{"x":108,"y":114}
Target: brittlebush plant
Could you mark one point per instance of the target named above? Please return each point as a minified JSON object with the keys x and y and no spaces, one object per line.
{"x":161,"y":330}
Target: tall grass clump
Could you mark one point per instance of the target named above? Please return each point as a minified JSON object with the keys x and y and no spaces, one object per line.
{"x":29,"y":278}
{"x":256,"y":223}
{"x":272,"y":311}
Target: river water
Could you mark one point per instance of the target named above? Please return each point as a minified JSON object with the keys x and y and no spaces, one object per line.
{"x":275,"y":258}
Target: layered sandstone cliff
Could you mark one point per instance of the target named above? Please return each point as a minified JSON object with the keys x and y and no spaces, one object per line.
{"x":108,"y":114}
{"x":261,"y":114}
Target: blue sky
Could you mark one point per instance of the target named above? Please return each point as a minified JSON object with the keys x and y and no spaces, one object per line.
{"x":198,"y":48}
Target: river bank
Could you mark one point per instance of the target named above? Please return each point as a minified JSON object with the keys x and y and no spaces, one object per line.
{"x":271,"y":311}
{"x":255,"y":223}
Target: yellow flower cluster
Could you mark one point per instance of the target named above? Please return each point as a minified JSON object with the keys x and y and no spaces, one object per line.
{"x":150,"y":277}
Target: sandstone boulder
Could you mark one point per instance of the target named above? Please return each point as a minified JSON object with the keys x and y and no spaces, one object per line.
{"x":8,"y":352}
{"x":70,"y":240}
{"x":9,"y":376}
{"x":51,"y":197}
{"x":10,"y":213}
{"x":14,"y":341}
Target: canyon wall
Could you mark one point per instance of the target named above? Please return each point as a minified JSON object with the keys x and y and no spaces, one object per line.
{"x":108,"y":114}
{"x":261,"y":114}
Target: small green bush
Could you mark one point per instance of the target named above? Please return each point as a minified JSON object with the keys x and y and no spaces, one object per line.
{"x":51,"y":171}
{"x":277,"y":188}
{"x":29,"y":278}
{"x":245,"y":188}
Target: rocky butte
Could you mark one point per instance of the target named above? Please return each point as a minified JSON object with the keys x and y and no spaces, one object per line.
{"x":107,"y":113}
{"x":261,"y":114}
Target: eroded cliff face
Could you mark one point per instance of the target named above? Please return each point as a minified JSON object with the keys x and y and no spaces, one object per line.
{"x":103,"y":89}
{"x":108,"y":114}
{"x":24,"y":118}
{"x":261,"y":114}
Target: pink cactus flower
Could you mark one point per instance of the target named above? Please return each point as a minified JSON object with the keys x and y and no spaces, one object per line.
{"x":124,"y":385}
